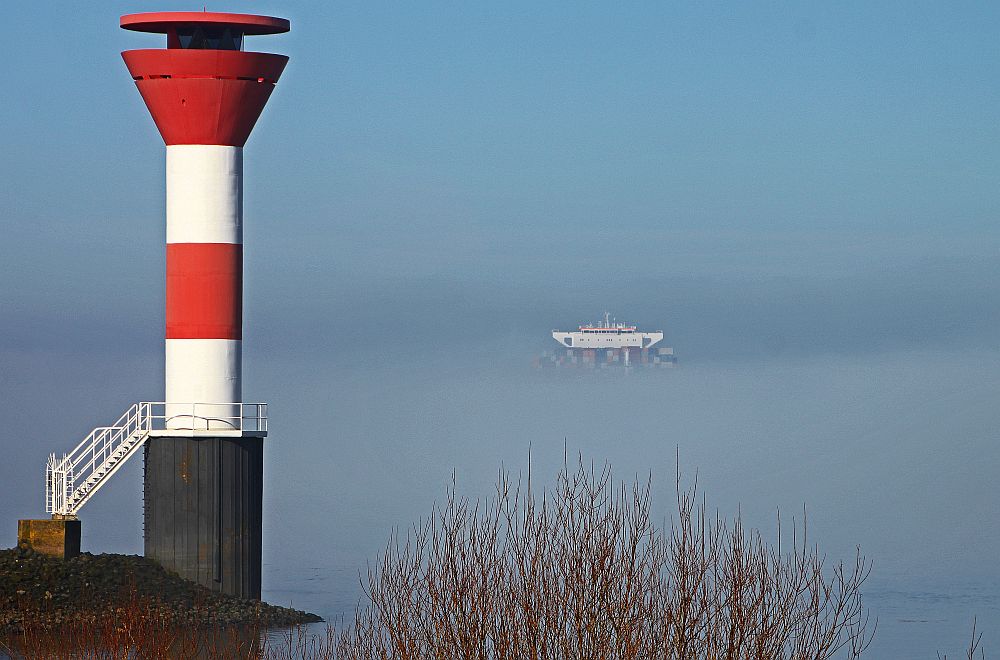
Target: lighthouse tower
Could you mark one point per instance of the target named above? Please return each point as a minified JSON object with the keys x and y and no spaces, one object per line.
{"x":203,"y":470}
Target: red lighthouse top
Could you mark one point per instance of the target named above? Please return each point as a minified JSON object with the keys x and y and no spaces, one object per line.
{"x":204,"y":88}
{"x":162,"y":22}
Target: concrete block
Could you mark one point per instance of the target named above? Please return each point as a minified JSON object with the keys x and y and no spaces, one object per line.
{"x":58,"y":538}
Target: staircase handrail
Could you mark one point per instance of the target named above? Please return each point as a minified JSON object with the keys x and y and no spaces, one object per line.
{"x":90,"y":441}
{"x":102,"y":452}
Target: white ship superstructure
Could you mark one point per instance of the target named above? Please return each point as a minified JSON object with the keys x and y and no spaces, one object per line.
{"x":608,"y":343}
{"x":607,"y":335}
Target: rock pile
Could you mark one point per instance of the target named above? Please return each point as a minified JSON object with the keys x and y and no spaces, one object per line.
{"x":44,"y":592}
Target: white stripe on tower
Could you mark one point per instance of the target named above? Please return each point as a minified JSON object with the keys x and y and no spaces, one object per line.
{"x":204,"y":283}
{"x":204,"y":194}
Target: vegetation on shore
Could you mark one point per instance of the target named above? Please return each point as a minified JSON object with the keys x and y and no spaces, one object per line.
{"x":581,"y":571}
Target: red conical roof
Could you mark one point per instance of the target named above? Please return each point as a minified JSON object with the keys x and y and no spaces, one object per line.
{"x":204,"y":96}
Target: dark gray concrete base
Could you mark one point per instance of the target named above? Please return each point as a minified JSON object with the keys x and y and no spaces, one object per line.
{"x":202,"y":510}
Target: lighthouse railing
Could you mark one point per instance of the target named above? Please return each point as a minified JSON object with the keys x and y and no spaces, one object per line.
{"x":207,"y":417}
{"x":72,"y":479}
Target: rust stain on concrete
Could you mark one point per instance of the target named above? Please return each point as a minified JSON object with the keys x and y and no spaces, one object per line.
{"x":185,"y":472}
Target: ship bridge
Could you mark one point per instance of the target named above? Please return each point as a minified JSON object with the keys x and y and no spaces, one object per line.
{"x":607,"y":335}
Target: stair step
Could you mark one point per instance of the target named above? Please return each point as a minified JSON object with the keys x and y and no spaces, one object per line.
{"x":115,"y":444}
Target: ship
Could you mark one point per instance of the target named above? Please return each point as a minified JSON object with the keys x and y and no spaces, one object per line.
{"x":607,"y":344}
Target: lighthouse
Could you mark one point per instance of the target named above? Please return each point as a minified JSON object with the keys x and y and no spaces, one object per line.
{"x":203,"y":463}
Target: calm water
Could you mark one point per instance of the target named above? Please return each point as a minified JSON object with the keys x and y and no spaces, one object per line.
{"x":915,"y":618}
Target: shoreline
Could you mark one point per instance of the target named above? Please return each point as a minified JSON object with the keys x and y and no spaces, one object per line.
{"x":41,"y":592}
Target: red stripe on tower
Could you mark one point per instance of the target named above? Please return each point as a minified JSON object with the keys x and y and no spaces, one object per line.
{"x":204,"y":291}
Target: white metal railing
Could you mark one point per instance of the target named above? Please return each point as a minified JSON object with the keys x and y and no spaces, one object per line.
{"x":243,"y":417}
{"x":72,"y":480}
{"x":90,"y":462}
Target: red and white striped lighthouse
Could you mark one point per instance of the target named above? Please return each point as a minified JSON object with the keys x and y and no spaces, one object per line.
{"x":203,"y":472}
{"x":205,"y":94}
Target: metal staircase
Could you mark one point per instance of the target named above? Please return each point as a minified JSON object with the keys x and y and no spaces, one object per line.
{"x":72,"y":480}
{"x":94,"y":461}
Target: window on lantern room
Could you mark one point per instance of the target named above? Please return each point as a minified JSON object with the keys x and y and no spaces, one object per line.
{"x":200,"y":37}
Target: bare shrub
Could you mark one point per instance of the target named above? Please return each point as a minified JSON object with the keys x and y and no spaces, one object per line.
{"x":975,"y":645}
{"x":581,"y":572}
{"x":577,"y":572}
